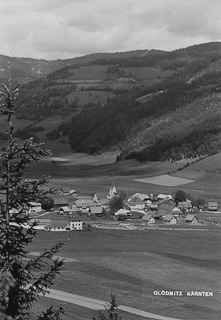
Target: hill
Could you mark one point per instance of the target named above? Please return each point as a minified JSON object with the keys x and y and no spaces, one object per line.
{"x":152,"y":105}
{"x":179,"y":116}
{"x":23,"y":70}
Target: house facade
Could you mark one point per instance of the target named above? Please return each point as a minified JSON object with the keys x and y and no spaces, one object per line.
{"x":169,"y":219}
{"x":148,"y":219}
{"x":191,"y":219}
{"x":212,"y":205}
{"x":75,"y":224}
{"x":34,"y":207}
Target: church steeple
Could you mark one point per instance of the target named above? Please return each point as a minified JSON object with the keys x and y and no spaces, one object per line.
{"x":112,"y":190}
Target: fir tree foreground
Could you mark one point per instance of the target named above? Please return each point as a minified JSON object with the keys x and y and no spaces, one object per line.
{"x":22,"y":281}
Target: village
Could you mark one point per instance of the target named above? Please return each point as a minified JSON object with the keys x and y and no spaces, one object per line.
{"x":73,"y":212}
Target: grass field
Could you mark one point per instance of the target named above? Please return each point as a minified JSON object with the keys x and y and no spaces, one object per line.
{"x":148,"y":73}
{"x":166,"y":180}
{"x":134,"y":264}
{"x":91,"y":174}
{"x":85,"y":97}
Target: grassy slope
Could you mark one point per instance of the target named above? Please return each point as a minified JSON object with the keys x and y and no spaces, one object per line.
{"x":93,"y":174}
{"x":133,"y":264}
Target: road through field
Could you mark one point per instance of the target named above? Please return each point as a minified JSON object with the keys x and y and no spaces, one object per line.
{"x":99,"y":304}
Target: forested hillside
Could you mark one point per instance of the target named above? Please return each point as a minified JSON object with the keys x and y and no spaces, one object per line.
{"x":152,"y":105}
{"x":181,"y":117}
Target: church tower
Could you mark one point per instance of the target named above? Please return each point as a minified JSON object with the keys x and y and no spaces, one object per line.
{"x":112,"y":190}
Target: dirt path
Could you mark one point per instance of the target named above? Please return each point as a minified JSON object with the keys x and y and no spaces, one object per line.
{"x":99,"y":304}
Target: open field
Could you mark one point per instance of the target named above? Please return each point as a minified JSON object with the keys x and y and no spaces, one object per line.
{"x":134,"y":264}
{"x":94,"y":72}
{"x":147,"y":73}
{"x":85,"y":97}
{"x":91,"y":174}
{"x":165,"y":180}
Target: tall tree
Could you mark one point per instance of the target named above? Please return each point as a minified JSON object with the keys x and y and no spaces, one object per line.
{"x":28,"y":279}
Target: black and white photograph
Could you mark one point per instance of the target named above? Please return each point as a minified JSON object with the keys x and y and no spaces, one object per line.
{"x":110,"y":160}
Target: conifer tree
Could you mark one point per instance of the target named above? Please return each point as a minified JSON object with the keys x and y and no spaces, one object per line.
{"x":22,"y":281}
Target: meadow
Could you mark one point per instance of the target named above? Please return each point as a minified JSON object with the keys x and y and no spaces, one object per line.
{"x":134,"y":264}
{"x":90,"y":174}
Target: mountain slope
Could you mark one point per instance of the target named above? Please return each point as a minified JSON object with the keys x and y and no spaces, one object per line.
{"x":152,"y":105}
{"x":23,"y":70}
{"x":179,"y":118}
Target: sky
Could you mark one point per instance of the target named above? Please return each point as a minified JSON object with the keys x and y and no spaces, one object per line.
{"x":61,"y":29}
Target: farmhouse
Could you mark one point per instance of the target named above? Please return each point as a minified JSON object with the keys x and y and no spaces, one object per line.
{"x":191,"y":219}
{"x":34,"y":207}
{"x":170,"y":219}
{"x":84,"y":204}
{"x":136,"y":204}
{"x":164,"y":197}
{"x":65,"y":210}
{"x":75,"y":224}
{"x":176,"y":212}
{"x":212,"y":206}
{"x":96,"y":210}
{"x":122,"y":212}
{"x":148,"y":218}
{"x":59,"y":201}
{"x":165,"y":207}
{"x":185,"y":206}
{"x":141,"y":196}
{"x":137,"y":214}
{"x":56,"y":226}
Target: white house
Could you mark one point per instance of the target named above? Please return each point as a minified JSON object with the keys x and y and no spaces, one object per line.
{"x":34,"y":207}
{"x":75,"y":224}
{"x":57,"y":226}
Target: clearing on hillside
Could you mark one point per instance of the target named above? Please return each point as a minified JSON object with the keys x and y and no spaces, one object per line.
{"x":165,"y":180}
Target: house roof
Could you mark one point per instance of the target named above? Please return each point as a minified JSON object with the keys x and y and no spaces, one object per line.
{"x":95,"y":210}
{"x":190,"y":217}
{"x":147,"y":217}
{"x":141,"y":196}
{"x":176,"y":210}
{"x":136,"y":214}
{"x":65,"y":209}
{"x":121,"y":211}
{"x":34,"y":204}
{"x":59,"y":200}
{"x":104,"y":201}
{"x":164,"y":196}
{"x":185,"y":204}
{"x":101,"y":195}
{"x":84,"y":203}
{"x":136,"y":200}
{"x":169,"y":217}
{"x":212,"y":203}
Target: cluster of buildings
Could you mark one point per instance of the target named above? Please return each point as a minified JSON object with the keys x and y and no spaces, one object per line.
{"x":152,"y":209}
{"x":149,"y":209}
